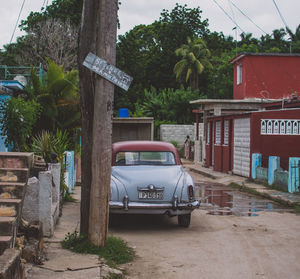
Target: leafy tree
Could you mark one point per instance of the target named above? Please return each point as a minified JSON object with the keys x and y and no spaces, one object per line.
{"x":18,"y":120}
{"x":194,"y":59}
{"x":64,"y":10}
{"x":50,"y":39}
{"x":247,"y":39}
{"x":295,"y":39}
{"x":217,"y":43}
{"x":147,"y":52}
{"x":169,"y":104}
{"x":274,"y":43}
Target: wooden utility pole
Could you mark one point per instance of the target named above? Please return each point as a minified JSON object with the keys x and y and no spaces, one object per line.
{"x":97,"y":35}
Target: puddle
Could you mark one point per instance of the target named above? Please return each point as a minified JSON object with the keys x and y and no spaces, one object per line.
{"x":221,"y":200}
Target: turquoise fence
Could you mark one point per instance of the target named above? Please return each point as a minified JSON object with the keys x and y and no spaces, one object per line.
{"x":3,"y":147}
{"x":274,"y":175}
{"x":294,"y":174}
{"x":70,"y":175}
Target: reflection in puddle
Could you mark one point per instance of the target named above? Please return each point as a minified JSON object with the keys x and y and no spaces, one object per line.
{"x":222,"y":200}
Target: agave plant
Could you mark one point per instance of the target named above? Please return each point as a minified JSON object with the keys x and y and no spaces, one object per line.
{"x":61,"y":143}
{"x":42,"y":145}
{"x":45,"y":144}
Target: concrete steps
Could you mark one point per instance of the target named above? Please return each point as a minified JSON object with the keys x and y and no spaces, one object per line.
{"x":16,"y":160}
{"x":12,"y":190}
{"x":5,"y":242}
{"x":14,"y":172}
{"x":7,"y":225}
{"x":10,"y":207}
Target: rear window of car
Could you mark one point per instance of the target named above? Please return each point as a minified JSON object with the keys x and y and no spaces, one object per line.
{"x":129,"y":158}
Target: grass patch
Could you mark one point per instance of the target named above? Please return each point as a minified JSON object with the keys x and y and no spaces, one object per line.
{"x":249,"y":190}
{"x":295,"y":206}
{"x":264,"y":183}
{"x":114,"y":276}
{"x":116,"y":250}
{"x":68,"y":197}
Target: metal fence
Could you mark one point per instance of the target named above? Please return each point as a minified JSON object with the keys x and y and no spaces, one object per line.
{"x":295,"y":175}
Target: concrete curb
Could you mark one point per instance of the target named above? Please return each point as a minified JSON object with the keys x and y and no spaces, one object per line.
{"x":11,"y":265}
{"x":203,"y":173}
{"x":286,"y":199}
{"x":266,"y":194}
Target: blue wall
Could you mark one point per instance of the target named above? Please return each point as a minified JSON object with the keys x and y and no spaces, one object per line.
{"x":3,"y":148}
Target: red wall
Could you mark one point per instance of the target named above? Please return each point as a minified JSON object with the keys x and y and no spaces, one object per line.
{"x":284,"y":146}
{"x":279,"y":75}
{"x":222,"y":153}
{"x":208,"y":155}
{"x":218,"y":158}
{"x":208,"y":147}
{"x":226,"y":159}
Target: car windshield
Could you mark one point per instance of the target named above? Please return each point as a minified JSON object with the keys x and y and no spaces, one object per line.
{"x":128,"y":158}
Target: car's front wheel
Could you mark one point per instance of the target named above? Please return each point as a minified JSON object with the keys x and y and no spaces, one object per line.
{"x":184,"y":220}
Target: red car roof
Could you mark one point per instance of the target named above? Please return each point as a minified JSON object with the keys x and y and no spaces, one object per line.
{"x":145,"y":146}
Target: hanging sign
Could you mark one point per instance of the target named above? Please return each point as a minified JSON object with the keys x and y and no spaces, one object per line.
{"x":109,"y":72}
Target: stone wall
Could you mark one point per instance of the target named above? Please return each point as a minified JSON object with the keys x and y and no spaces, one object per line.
{"x":281,"y":179}
{"x":41,"y":203}
{"x":11,"y":266}
{"x":262,"y":174}
{"x":178,"y":133}
{"x":198,"y":153}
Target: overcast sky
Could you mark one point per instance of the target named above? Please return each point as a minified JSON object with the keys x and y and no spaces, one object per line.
{"x":134,"y":12}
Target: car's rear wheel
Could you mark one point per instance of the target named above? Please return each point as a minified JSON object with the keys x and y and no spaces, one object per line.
{"x":184,"y":220}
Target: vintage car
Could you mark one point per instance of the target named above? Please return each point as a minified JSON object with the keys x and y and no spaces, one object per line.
{"x":147,"y":177}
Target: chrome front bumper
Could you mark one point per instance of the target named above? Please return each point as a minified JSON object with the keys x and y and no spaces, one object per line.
{"x":126,"y":205}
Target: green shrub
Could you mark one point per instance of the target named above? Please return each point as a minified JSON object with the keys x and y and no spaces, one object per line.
{"x":181,"y":152}
{"x":174,"y":142}
{"x":116,"y":250}
{"x":18,"y":118}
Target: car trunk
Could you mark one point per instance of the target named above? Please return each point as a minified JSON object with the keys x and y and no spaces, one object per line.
{"x":135,"y":178}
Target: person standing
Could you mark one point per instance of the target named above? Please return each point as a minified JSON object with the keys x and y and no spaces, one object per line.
{"x":187,"y":147}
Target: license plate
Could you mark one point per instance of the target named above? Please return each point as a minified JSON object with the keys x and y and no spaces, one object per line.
{"x":151,"y":195}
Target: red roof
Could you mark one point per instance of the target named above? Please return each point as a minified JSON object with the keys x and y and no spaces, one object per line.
{"x":145,"y":146}
{"x":241,"y":55}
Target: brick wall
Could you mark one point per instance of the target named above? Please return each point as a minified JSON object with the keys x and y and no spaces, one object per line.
{"x":178,"y":133}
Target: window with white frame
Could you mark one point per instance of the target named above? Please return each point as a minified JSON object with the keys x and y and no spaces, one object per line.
{"x":208,"y":133}
{"x":226,"y":132}
{"x":239,"y":74}
{"x":218,"y":133}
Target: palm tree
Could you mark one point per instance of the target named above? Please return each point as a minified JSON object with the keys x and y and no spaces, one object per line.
{"x":59,"y":97}
{"x":295,"y":39}
{"x":294,"y":36}
{"x":194,"y":59}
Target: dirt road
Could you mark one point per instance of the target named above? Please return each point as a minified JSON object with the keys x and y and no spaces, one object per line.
{"x":261,"y":244}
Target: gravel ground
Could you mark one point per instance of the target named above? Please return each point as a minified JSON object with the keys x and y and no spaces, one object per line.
{"x":265,"y":245}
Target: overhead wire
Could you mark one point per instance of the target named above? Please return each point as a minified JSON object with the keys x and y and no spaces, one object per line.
{"x":12,"y":36}
{"x":233,"y":15}
{"x":280,"y":14}
{"x":45,"y":4}
{"x":228,"y":16}
{"x":244,"y":14}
